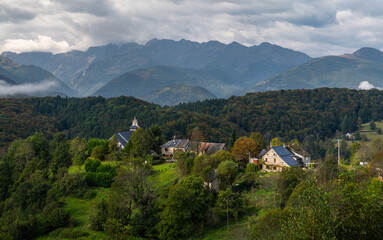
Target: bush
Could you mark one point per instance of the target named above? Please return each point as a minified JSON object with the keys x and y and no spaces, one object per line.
{"x":91,"y":165}
{"x":62,"y":233}
{"x":103,"y":176}
{"x":71,"y":185}
{"x":58,"y":218}
{"x":98,"y":152}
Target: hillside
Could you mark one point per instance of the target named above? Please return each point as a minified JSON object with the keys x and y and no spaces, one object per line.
{"x":303,"y":114}
{"x":34,"y":75}
{"x":140,"y":83}
{"x":332,"y":71}
{"x":179,"y":93}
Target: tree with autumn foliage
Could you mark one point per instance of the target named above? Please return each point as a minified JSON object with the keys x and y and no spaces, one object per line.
{"x":244,"y":147}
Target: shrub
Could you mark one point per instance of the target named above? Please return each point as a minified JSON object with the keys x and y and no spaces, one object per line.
{"x":91,"y":165}
{"x":58,"y":218}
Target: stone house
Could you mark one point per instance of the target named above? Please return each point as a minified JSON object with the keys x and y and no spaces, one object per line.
{"x":278,"y":158}
{"x":168,"y":149}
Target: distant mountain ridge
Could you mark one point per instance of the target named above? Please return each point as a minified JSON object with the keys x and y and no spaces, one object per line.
{"x":345,"y":71}
{"x":90,"y":70}
{"x":16,"y":73}
{"x":141,"y":82}
{"x":178,"y":93}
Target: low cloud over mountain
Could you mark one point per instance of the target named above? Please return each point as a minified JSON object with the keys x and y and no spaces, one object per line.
{"x":26,"y":88}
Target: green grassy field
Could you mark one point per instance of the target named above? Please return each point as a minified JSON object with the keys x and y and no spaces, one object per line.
{"x":370,"y":134}
{"x":165,"y":175}
{"x":80,"y":211}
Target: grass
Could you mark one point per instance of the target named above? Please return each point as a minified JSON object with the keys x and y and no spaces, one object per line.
{"x":165,"y":175}
{"x":236,"y":230}
{"x":80,"y":210}
{"x":370,"y":134}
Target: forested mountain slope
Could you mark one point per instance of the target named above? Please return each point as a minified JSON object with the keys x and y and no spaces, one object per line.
{"x":317,"y":113}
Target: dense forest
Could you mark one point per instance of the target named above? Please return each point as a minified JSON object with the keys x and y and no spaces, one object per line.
{"x":306,"y":115}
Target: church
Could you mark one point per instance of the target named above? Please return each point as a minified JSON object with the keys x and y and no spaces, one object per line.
{"x":123,"y":137}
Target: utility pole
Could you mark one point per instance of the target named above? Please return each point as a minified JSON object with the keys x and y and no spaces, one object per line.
{"x":338,"y":140}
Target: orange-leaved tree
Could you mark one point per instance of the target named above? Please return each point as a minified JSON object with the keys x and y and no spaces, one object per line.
{"x":245,"y":147}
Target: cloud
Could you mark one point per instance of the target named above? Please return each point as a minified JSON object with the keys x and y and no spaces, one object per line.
{"x":14,"y":15}
{"x":365,"y":85}
{"x":314,"y":27}
{"x":42,"y":43}
{"x":27,"y":88}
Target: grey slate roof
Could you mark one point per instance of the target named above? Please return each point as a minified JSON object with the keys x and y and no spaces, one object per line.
{"x":215,"y":147}
{"x":286,"y":155}
{"x":123,"y":137}
{"x":177,"y":143}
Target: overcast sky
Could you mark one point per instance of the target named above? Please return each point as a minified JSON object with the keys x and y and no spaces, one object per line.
{"x":315,"y":27}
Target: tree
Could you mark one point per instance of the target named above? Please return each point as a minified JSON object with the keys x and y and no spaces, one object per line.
{"x":354,"y":148}
{"x":60,"y":153}
{"x":179,"y":215}
{"x":245,"y":147}
{"x":132,"y":200}
{"x":287,"y":181}
{"x":155,"y":138}
{"x":364,"y":154}
{"x":258,"y":138}
{"x":140,"y":141}
{"x":221,"y":156}
{"x":372,"y":125}
{"x":77,"y":149}
{"x":377,"y":145}
{"x":196,"y":137}
{"x":113,"y":144}
{"x":275,"y":142}
{"x":230,"y":204}
{"x":98,"y":152}
{"x":233,"y":137}
{"x":185,"y":163}
{"x":94,"y":142}
{"x":226,"y":173}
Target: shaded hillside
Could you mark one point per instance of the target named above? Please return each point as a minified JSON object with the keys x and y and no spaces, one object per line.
{"x":101,"y":118}
{"x":296,"y":113}
{"x":20,"y":119}
{"x":7,"y":77}
{"x":301,"y":114}
{"x":331,"y":71}
{"x":32,"y":74}
{"x":139,"y":83}
{"x":175,"y":94}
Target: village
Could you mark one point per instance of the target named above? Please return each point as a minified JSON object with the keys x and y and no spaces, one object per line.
{"x":275,"y":158}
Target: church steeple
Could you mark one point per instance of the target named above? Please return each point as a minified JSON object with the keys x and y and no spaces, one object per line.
{"x":134,"y":124}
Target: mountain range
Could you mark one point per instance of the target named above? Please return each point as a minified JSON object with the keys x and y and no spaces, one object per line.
{"x":236,"y":65}
{"x":348,"y":70}
{"x":169,"y":72}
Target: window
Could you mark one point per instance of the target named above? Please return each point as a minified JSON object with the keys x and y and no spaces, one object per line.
{"x":274,"y":160}
{"x":166,"y":149}
{"x":265,"y":159}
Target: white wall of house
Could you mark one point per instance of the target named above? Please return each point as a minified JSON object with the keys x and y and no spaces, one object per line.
{"x":272,"y":162}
